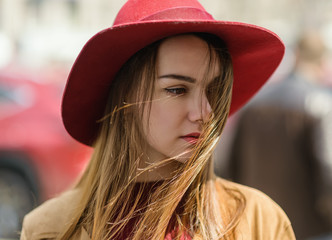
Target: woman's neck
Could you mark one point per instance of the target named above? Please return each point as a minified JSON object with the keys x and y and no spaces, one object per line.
{"x":151,"y":172}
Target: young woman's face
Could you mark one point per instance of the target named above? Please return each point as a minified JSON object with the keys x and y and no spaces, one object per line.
{"x":179,"y":105}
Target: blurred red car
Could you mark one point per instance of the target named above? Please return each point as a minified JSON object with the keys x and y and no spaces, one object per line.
{"x":38,"y":159}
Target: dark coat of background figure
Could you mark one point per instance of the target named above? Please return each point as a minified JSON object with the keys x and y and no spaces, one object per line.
{"x":282,"y":144}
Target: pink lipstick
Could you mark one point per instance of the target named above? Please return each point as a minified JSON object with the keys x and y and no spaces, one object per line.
{"x":191,"y":137}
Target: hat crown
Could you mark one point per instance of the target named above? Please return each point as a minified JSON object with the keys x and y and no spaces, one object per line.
{"x":135,"y":11}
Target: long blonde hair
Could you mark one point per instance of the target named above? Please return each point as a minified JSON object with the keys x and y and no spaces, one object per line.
{"x":187,"y":202}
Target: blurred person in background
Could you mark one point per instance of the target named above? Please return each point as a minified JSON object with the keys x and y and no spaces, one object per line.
{"x":282,"y":144}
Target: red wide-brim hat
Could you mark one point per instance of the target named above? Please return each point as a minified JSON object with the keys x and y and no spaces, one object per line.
{"x":256,"y":53}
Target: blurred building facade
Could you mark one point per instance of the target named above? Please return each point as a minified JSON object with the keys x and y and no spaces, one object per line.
{"x":39,"y":32}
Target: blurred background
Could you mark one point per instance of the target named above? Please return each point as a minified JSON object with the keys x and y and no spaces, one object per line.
{"x":280,"y":147}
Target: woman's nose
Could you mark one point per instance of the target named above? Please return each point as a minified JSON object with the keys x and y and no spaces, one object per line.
{"x":200,"y":109}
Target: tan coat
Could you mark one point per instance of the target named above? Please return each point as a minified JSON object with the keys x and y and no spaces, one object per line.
{"x":262,"y":218}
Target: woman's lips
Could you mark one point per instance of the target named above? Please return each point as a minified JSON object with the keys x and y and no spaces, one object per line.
{"x":191,"y":137}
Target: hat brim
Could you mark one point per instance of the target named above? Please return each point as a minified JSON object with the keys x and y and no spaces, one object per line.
{"x":256,"y":53}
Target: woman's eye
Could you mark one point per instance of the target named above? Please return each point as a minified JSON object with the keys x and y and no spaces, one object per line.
{"x":176,"y":91}
{"x":212,"y":93}
{"x":209,"y":91}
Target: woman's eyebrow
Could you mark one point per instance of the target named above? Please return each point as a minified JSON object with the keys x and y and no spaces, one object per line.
{"x":179,"y":77}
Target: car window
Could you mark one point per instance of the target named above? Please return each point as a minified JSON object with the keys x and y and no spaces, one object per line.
{"x":6,"y":95}
{"x":15,"y":98}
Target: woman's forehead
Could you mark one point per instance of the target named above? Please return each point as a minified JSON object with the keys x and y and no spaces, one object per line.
{"x":187,"y":55}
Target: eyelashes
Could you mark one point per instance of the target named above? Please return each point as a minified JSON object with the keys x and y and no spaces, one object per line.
{"x":176,"y":91}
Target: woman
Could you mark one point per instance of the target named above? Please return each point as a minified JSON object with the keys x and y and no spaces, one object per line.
{"x":152,"y":95}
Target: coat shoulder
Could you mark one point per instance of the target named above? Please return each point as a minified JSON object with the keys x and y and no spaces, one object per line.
{"x":50,"y":217}
{"x":262,"y":218}
{"x":254,"y":198}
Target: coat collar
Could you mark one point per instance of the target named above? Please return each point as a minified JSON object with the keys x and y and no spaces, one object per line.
{"x":84,"y":235}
